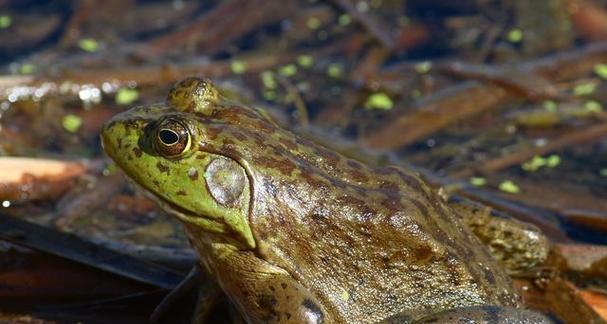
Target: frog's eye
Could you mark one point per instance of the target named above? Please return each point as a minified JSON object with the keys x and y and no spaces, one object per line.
{"x":172,"y":138}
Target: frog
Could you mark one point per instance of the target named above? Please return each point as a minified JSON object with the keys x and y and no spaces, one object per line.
{"x":293,"y":232}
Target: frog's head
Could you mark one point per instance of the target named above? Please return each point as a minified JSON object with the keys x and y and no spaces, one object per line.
{"x":174,"y":150}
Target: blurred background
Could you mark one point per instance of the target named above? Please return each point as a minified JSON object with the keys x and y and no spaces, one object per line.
{"x":497,"y":101}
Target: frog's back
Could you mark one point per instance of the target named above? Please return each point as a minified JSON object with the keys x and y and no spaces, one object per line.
{"x":370,"y":243}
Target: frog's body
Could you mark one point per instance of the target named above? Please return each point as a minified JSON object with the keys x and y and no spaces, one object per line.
{"x":295,"y":232}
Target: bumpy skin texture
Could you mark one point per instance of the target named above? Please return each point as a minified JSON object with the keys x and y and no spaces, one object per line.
{"x":294,"y":232}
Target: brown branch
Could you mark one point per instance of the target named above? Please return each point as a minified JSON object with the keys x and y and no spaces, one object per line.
{"x":372,"y":27}
{"x":581,"y":136}
{"x":468,"y":99}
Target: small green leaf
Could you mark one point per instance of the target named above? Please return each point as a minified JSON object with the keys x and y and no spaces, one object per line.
{"x":313,"y":23}
{"x":509,"y":187}
{"x":379,"y":100}
{"x":126,"y":96}
{"x":553,"y":161}
{"x":478,"y":181}
{"x":423,"y":67}
{"x":267,"y":78}
{"x":335,"y":70}
{"x":269,"y":95}
{"x":601,"y":70}
{"x":515,"y":35}
{"x":550,"y":105}
{"x":238,"y":67}
{"x":584,"y":89}
{"x":305,"y":61}
{"x":27,"y":68}
{"x":88,"y":45}
{"x":5,"y":21}
{"x":534,"y":164}
{"x":593,"y":106}
{"x":288,"y":70}
{"x":344,"y":20}
{"x":71,"y":123}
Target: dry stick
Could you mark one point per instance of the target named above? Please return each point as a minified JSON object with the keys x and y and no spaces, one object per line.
{"x":436,"y":112}
{"x":298,"y":101}
{"x":224,"y":24}
{"x":586,"y":135}
{"x":383,"y":37}
{"x":468,"y":99}
{"x":148,"y":75}
{"x":200,"y":27}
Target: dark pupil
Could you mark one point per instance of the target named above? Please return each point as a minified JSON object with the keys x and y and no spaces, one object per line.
{"x":168,"y":137}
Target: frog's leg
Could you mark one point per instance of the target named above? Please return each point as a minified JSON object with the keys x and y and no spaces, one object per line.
{"x":486,"y":315}
{"x":518,"y":246}
{"x":208,"y":294}
{"x":264,"y":293}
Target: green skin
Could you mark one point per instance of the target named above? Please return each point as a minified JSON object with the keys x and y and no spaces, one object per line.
{"x":293,"y":232}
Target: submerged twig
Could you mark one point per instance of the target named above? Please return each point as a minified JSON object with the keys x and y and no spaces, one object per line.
{"x":584,"y":135}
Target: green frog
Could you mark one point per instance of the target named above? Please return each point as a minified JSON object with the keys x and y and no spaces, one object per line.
{"x":296,"y":233}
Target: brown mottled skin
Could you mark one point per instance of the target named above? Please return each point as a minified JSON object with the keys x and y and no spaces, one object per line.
{"x":317,"y":237}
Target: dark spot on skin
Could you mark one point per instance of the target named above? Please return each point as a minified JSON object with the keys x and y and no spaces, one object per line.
{"x":193,"y":175}
{"x":137,"y":151}
{"x":422,"y":253}
{"x":437,"y":232}
{"x":288,"y":315}
{"x":283,"y":285}
{"x":288,"y":142}
{"x":488,"y":274}
{"x":211,"y":133}
{"x":234,"y":114}
{"x":229,"y":151}
{"x":311,"y":179}
{"x":272,"y":288}
{"x":156,"y":183}
{"x":491,"y":314}
{"x":354,"y":165}
{"x":314,"y":309}
{"x":239,"y":136}
{"x":267,"y":301}
{"x":391,"y":298}
{"x":454,"y":272}
{"x":162,"y":168}
{"x":305,"y":143}
{"x":285,"y":166}
{"x":181,"y":193}
{"x":392,"y":205}
{"x":337,"y":183}
{"x":385,"y":171}
{"x":330,"y":156}
{"x":359,"y":176}
{"x":265,"y":127}
{"x":119,"y":142}
{"x":227,"y":141}
{"x":389,"y":186}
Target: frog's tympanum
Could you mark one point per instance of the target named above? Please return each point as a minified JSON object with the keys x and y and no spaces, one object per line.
{"x":296,"y":233}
